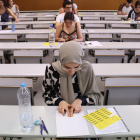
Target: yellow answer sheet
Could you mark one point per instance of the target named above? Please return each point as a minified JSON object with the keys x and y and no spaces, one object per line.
{"x":101,"y":118}
{"x":47,"y":44}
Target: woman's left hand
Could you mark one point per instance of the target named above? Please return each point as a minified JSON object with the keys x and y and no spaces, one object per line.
{"x":76,"y":106}
{"x":17,"y":20}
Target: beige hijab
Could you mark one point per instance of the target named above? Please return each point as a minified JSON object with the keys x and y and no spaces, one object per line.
{"x":73,"y":52}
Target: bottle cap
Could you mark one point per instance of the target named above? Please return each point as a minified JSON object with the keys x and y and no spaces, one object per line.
{"x":22,"y":85}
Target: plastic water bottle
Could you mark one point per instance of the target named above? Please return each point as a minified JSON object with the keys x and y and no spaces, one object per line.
{"x":25,"y":110}
{"x":17,"y":13}
{"x":13,"y":26}
{"x":133,"y":16}
{"x":52,"y":36}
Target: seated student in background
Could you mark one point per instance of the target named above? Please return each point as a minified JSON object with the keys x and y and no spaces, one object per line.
{"x":125,"y":8}
{"x":74,"y":8}
{"x":136,"y":11}
{"x":68,"y":8}
{"x":13,"y":7}
{"x":5,"y":12}
{"x":70,"y":82}
{"x":69,"y":30}
{"x":137,"y":14}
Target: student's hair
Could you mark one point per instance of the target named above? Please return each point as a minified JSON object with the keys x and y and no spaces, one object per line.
{"x":4,"y":3}
{"x":68,"y":0}
{"x":8,"y":3}
{"x":69,"y":15}
{"x":66,"y":3}
{"x":129,"y":1}
{"x":137,"y":3}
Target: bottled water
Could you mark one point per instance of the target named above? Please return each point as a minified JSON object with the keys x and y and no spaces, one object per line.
{"x":13,"y":26}
{"x":17,"y":13}
{"x":25,"y":110}
{"x":52,"y":36}
{"x":133,"y":16}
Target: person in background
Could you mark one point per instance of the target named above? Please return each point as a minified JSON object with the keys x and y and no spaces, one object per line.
{"x":69,"y":30}
{"x":136,"y":11}
{"x":68,"y":8}
{"x":74,"y":8}
{"x":13,"y":7}
{"x":5,"y":12}
{"x":70,"y":82}
{"x":125,"y":8}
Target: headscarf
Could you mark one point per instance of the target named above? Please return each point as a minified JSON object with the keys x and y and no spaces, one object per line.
{"x":73,"y":52}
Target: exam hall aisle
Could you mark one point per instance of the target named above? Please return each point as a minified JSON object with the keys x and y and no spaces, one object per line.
{"x":69,"y":139}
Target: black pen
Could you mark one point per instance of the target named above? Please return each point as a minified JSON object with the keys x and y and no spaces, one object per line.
{"x":45,"y":127}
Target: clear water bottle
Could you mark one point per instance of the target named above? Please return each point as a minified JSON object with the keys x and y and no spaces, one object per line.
{"x":17,"y":13}
{"x":133,"y":16}
{"x":25,"y":110}
{"x":52,"y":36}
{"x":13,"y":26}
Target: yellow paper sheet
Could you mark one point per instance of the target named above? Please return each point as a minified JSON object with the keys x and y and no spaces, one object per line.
{"x":101,"y":119}
{"x":47,"y":44}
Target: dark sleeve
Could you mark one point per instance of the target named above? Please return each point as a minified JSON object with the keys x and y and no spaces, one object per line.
{"x":84,"y":99}
{"x":50,"y":95}
{"x":129,"y":15}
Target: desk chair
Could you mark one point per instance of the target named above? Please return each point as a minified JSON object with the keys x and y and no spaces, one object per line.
{"x":107,"y":13}
{"x":109,"y":56}
{"x":2,"y":60}
{"x":9,"y":87}
{"x":27,"y":57}
{"x":122,"y":91}
{"x":130,"y":37}
{"x":43,"y":26}
{"x":90,"y":18}
{"x":8,"y":38}
{"x":120,"y":26}
{"x":47,"y":18}
{"x":56,"y":55}
{"x":112,"y":19}
{"x":99,"y":37}
{"x":36,"y":37}
{"x":137,"y":56}
{"x":30,"y":14}
{"x":94,"y":26}
{"x":25,"y":19}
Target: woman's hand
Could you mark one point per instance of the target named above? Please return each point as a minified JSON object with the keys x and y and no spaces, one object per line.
{"x":62,"y":40}
{"x":76,"y":107}
{"x":64,"y":106}
{"x":17,"y":20}
{"x":138,"y":18}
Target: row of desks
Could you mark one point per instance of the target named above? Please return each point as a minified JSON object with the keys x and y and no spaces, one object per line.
{"x":10,"y":126}
{"x":82,"y":22}
{"x":100,"y":70}
{"x":41,"y":46}
{"x":84,"y":31}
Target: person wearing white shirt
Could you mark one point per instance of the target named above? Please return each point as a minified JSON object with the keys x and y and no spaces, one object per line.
{"x":74,"y":8}
{"x":68,"y":8}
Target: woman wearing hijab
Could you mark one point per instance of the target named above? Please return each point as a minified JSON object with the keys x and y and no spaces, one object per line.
{"x":70,"y":82}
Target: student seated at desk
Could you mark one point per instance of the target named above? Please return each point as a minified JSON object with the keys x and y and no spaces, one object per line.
{"x":13,"y":7}
{"x":69,"y":30}
{"x":137,"y":14}
{"x":68,"y":8}
{"x":70,"y":82}
{"x":5,"y":12}
{"x":74,"y":8}
{"x":125,"y":8}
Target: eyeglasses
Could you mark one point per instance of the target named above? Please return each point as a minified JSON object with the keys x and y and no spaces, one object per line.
{"x":74,"y":69}
{"x":68,"y":7}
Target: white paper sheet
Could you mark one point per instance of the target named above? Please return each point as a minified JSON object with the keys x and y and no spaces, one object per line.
{"x":93,"y":43}
{"x":114,"y":128}
{"x":5,"y":31}
{"x":71,"y":126}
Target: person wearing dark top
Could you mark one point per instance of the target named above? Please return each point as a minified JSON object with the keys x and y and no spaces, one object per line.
{"x":137,"y":13}
{"x":70,"y":82}
{"x":69,"y":30}
{"x":5,"y":12}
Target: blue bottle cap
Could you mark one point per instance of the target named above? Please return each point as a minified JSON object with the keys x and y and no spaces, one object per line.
{"x":23,"y":85}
